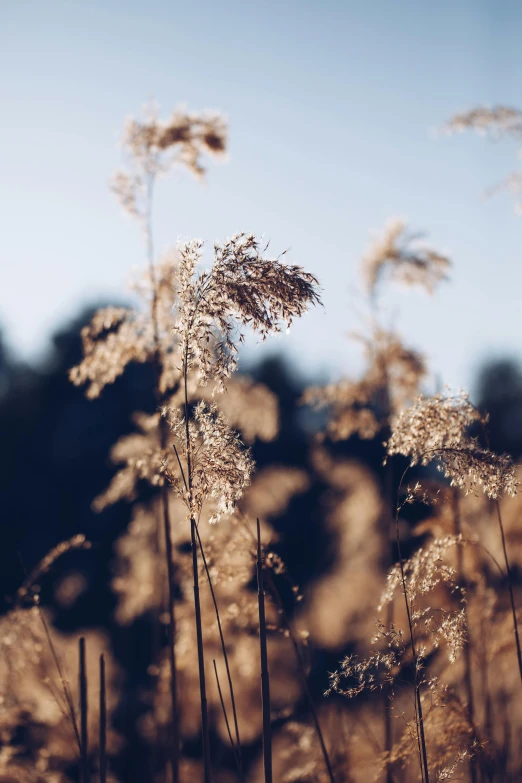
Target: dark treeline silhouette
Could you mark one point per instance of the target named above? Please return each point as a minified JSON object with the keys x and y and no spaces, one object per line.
{"x":55,"y":460}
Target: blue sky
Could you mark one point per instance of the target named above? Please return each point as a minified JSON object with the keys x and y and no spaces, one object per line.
{"x":332,"y":109}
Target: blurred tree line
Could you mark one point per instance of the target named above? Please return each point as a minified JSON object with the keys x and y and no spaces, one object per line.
{"x":55,"y":458}
{"x":55,"y":461}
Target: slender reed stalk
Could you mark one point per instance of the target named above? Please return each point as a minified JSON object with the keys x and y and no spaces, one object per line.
{"x":67,"y":707}
{"x":300,"y":665}
{"x":388,"y":553}
{"x":484,"y":670}
{"x":223,"y":708}
{"x":174,"y":755}
{"x":103,"y":723}
{"x":265,"y":676}
{"x":69,"y":710}
{"x":508,"y":566}
{"x":175,"y":744}
{"x":302,"y":675}
{"x":84,"y":739}
{"x":468,"y":685}
{"x":201,"y":656}
{"x":419,"y":718}
{"x":237,"y":745}
{"x":510,"y":588}
{"x":195,"y":574}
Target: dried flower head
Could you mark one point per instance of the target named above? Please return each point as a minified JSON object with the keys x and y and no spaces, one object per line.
{"x":117,"y":336}
{"x":449,"y":736}
{"x":153,"y":146}
{"x":407,"y":261}
{"x":392,"y":378}
{"x":426,"y":575}
{"x":436,"y":429}
{"x":242,"y":288}
{"x":220,"y":466}
{"x":428,"y":569}
{"x":497,"y":122}
{"x":249,"y":406}
{"x":356,"y":675}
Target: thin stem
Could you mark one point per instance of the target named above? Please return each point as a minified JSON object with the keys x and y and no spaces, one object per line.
{"x":232,"y":745}
{"x":63,"y":681}
{"x":201,"y":657}
{"x":468,"y":685}
{"x":68,"y":711}
{"x":103,"y":723}
{"x":174,"y":758}
{"x":303,"y":677}
{"x":195,"y":574}
{"x":507,"y":564}
{"x":225,"y":657}
{"x":510,"y":588}
{"x":388,"y":553}
{"x":484,"y":660}
{"x":418,"y":703}
{"x":175,"y":744}
{"x":301,"y":666}
{"x":265,"y":676}
{"x":84,"y":740}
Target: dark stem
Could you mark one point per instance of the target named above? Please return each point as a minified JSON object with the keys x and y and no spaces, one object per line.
{"x":175,"y":744}
{"x":174,"y":756}
{"x":388,"y":555}
{"x":510,"y":588}
{"x":425,"y":773}
{"x":484,"y":659}
{"x":265,"y":676}
{"x":195,"y":574}
{"x":387,"y":711}
{"x":70,"y":710}
{"x":507,"y":564}
{"x":237,"y":745}
{"x":201,"y":657}
{"x":84,"y":742}
{"x":103,"y":723}
{"x":223,"y":708}
{"x":303,"y":677}
{"x":468,"y":685}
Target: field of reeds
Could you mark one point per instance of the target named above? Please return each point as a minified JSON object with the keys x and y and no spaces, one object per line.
{"x":250,"y":579}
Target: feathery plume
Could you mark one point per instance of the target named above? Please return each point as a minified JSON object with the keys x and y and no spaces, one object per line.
{"x":392,"y":378}
{"x":407,"y":261}
{"x":153,"y":147}
{"x":436,"y":429}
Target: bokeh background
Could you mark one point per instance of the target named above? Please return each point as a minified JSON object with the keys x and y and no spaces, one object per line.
{"x":335,"y":111}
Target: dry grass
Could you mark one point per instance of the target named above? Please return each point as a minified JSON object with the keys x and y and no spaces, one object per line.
{"x":423,"y":618}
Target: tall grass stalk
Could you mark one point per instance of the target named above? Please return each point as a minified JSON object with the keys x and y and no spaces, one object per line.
{"x":103,"y":723}
{"x":419,"y":717}
{"x":510,"y":588}
{"x":300,"y":664}
{"x":507,"y":565}
{"x":302,"y":676}
{"x":163,"y":429}
{"x":201,"y":655}
{"x":84,"y":738}
{"x":195,"y":575}
{"x":265,"y":676}
{"x":237,"y":745}
{"x":468,"y":685}
{"x":227,"y":723}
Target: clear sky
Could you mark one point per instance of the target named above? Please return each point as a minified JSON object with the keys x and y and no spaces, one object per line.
{"x":332,"y":109}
